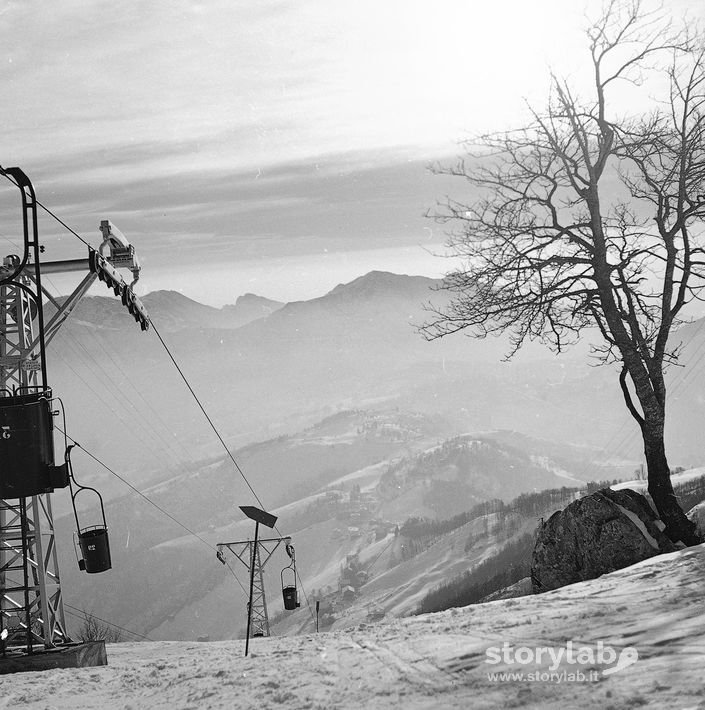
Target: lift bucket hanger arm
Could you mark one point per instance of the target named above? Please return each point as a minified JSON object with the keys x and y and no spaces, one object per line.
{"x":105,"y":268}
{"x":92,"y":540}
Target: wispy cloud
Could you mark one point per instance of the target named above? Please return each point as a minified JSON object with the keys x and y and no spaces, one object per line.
{"x":261,"y":81}
{"x":261,"y":127}
{"x":353,"y":200}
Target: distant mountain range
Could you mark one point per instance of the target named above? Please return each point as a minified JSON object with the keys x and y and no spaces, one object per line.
{"x":174,"y":311}
{"x":314,"y":397}
{"x":262,"y":368}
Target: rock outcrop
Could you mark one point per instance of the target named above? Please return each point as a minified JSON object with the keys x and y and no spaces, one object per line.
{"x":600,"y":533}
{"x":697,"y":516}
{"x":519,"y":589}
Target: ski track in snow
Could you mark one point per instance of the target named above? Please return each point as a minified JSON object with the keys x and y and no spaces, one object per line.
{"x":421,"y":663}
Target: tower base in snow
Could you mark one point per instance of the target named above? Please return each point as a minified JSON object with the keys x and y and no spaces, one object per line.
{"x":73,"y":655}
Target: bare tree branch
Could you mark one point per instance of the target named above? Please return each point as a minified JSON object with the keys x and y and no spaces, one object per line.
{"x":586,"y":219}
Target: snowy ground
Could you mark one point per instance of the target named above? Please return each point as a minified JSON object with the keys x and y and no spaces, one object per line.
{"x":676,"y":478}
{"x":653,"y":609}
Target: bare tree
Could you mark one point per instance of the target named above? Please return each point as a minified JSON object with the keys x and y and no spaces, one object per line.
{"x":94,"y":629}
{"x":585,"y":218}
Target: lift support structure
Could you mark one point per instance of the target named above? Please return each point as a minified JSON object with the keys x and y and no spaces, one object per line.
{"x":32,"y":614}
{"x":250,"y":553}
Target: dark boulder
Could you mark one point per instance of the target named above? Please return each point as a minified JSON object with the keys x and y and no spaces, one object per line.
{"x":697,"y":516}
{"x":600,"y":533}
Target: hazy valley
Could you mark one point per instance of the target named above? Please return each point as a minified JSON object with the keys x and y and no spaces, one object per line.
{"x":345,"y":421}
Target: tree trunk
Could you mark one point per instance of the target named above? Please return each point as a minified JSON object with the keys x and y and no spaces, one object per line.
{"x":678,"y":527}
{"x":651,"y":392}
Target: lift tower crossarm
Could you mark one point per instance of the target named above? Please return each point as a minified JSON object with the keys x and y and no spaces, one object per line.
{"x":63,"y":311}
{"x":64,"y":266}
{"x":122,"y":255}
{"x":239,"y":552}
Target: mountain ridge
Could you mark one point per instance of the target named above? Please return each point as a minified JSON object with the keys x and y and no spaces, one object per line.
{"x":95,"y":308}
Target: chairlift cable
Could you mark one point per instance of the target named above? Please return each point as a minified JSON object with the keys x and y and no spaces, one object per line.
{"x":49,"y":212}
{"x":135,"y":430}
{"x":168,"y":442}
{"x":205,"y":413}
{"x":83,"y":614}
{"x":101,"y":463}
{"x":149,"y":500}
{"x":63,"y":224}
{"x":12,"y":242}
{"x":136,"y":490}
{"x":104,"y":376}
{"x":133,"y":488}
{"x":308,"y":603}
{"x":147,"y":422}
{"x":384,"y":549}
{"x":222,"y":441}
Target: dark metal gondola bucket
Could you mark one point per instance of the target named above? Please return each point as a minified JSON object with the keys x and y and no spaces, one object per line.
{"x":290,"y":598}
{"x":95,"y":549}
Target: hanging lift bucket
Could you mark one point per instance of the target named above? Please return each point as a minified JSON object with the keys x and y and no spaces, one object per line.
{"x":95,"y":548}
{"x":92,"y":540}
{"x":289,"y":591}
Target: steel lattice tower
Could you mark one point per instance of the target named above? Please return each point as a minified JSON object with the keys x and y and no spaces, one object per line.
{"x":31,"y":606}
{"x":249,"y":552}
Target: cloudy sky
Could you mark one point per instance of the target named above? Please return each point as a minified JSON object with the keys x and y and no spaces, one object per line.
{"x":274,"y":146}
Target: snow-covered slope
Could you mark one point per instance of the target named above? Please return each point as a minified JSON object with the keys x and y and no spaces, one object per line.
{"x":691,"y":474}
{"x":652,"y":611}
